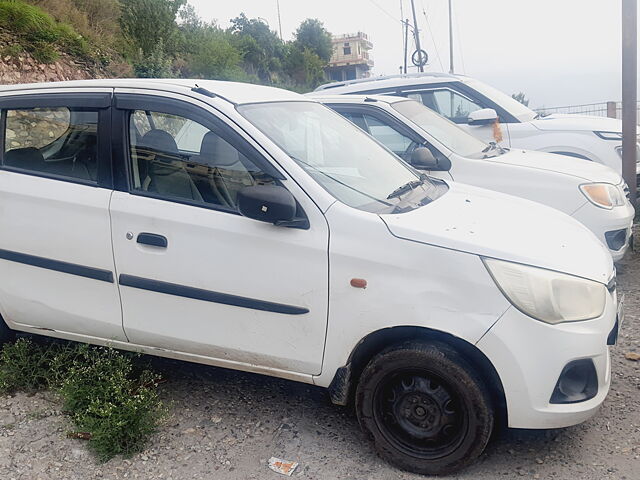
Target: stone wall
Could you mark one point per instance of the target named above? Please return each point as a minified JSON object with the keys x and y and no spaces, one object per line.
{"x":23,"y":68}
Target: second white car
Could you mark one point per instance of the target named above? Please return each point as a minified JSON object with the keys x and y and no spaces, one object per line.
{"x":591,"y":193}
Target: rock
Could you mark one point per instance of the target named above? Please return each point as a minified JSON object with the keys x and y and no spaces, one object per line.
{"x":6,"y":419}
{"x":634,"y":357}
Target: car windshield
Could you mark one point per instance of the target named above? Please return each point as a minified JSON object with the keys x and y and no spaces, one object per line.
{"x":511,"y":105}
{"x":345,"y":161}
{"x":441,"y":129}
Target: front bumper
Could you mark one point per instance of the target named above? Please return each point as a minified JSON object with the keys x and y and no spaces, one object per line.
{"x":606,"y":224}
{"x":529,"y":356}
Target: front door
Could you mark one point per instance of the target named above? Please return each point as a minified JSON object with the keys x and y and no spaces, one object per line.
{"x":196,"y":276}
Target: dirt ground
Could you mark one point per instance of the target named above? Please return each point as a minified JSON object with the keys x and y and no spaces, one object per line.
{"x":226,"y":425}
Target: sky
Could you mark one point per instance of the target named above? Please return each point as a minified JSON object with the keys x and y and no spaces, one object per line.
{"x":558,"y":52}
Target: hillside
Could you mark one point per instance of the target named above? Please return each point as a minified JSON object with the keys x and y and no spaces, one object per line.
{"x":45,"y":40}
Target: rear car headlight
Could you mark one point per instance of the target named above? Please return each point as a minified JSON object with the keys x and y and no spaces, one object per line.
{"x":604,"y":195}
{"x":545,"y":295}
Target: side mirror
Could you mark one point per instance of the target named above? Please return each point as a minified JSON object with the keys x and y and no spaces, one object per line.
{"x":267,"y":203}
{"x":423,"y":159}
{"x":484,"y":116}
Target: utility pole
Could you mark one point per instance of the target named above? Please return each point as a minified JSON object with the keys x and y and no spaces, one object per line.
{"x":406,"y":43}
{"x":450,"y":38}
{"x":416,"y":32}
{"x":279,"y":19}
{"x":629,"y":93}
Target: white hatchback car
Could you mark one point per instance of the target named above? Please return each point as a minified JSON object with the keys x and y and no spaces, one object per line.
{"x":287,"y":242}
{"x":476,"y":106}
{"x":591,"y":193}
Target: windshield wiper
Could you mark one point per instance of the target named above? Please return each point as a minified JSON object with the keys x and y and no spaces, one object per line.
{"x":406,"y":187}
{"x":316,"y":169}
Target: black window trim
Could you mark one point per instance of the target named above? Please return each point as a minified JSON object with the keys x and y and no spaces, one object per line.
{"x":99,"y":101}
{"x":125,"y":103}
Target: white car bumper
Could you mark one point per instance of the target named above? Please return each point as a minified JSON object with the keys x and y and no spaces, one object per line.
{"x":612,"y":227}
{"x":530,"y":357}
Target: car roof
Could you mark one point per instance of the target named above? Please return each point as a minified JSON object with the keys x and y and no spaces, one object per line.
{"x":234,"y":92}
{"x":389,"y":81}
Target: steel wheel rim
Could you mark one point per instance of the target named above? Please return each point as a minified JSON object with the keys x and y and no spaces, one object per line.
{"x":420,"y":413}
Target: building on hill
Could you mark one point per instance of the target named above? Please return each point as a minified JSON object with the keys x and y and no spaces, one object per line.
{"x":350,"y":58}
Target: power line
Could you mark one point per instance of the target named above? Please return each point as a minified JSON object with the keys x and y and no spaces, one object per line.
{"x":386,"y":12}
{"x":435,"y":46}
{"x":459,"y":42}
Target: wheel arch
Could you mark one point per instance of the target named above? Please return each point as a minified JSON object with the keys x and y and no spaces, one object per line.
{"x":572,"y":154}
{"x":342,"y":389}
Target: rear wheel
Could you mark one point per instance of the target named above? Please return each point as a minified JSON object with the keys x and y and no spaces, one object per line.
{"x":426,"y":408}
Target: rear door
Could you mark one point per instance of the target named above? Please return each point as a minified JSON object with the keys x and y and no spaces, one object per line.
{"x":196,"y":276}
{"x":56,"y":259}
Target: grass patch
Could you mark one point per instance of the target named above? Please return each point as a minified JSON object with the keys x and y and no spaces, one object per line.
{"x":39,"y":33}
{"x":109,"y":397}
{"x":11,"y":51}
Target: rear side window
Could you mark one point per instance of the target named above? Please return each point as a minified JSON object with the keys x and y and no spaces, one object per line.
{"x":57,"y":141}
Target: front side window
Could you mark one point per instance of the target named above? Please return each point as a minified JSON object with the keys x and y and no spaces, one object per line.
{"x":176,"y":158}
{"x":57,"y":141}
{"x":444,"y":131}
{"x":453,"y":105}
{"x":335,"y":153}
{"x":390,"y":137}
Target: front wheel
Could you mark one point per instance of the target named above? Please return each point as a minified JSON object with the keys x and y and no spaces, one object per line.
{"x":425,"y":407}
{"x":6,"y":334}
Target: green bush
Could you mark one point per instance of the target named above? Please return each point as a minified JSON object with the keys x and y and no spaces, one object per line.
{"x":11,"y":51}
{"x":103,"y":390}
{"x":43,"y":52}
{"x":27,"y":366}
{"x":116,"y":404}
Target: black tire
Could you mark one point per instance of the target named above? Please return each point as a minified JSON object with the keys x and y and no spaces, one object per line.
{"x":426,"y":408}
{"x":6,"y":334}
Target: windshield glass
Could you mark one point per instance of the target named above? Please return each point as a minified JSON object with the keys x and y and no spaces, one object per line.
{"x":345,"y":161}
{"x":443,"y":130}
{"x":511,"y":105}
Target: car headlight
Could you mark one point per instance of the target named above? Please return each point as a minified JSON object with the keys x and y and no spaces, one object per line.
{"x":604,"y":195}
{"x":609,"y":135}
{"x":545,"y":295}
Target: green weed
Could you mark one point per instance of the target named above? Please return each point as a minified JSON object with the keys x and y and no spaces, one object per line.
{"x":104,"y":391}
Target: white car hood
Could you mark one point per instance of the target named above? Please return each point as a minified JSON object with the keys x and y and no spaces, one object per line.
{"x":584,"y":169}
{"x":572,"y":122}
{"x":496,"y":225}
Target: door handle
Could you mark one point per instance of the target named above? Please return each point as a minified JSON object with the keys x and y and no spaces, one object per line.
{"x":153,"y":239}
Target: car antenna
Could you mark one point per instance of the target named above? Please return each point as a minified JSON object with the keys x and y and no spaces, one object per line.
{"x":209,"y":93}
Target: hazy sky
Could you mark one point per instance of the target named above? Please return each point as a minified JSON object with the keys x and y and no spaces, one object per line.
{"x":559,"y":52}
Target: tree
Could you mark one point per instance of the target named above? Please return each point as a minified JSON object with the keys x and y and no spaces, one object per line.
{"x":147,"y":22}
{"x":521,"y":98}
{"x":262,"y":49}
{"x":214,"y":56}
{"x":156,"y":64}
{"x":305,"y":67}
{"x":312,"y":35}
